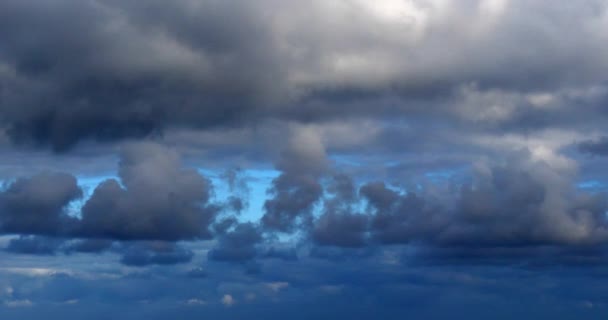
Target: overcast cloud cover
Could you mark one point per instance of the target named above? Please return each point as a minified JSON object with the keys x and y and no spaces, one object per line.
{"x":281,"y":159}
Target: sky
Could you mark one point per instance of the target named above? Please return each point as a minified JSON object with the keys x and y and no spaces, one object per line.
{"x":322,"y":159}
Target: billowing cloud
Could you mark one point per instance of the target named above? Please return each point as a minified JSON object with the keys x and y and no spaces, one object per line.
{"x":156,"y":199}
{"x":297,"y":189}
{"x":135,"y":69}
{"x":38,"y":204}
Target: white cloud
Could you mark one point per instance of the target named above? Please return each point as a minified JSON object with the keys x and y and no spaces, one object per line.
{"x":228,"y":300}
{"x":18,"y":303}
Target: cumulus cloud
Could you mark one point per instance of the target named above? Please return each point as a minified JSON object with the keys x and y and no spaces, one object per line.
{"x":38,"y":204}
{"x":340,"y":225}
{"x":297,"y":189}
{"x":157,"y":198}
{"x":523,"y":203}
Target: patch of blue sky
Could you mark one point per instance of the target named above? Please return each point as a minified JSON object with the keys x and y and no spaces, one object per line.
{"x":592,"y":185}
{"x":346,"y":160}
{"x":444,"y":175}
{"x":88,"y":185}
{"x":258,"y":183}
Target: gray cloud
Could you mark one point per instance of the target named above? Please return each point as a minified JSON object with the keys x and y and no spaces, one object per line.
{"x":400,"y":100}
{"x":156,"y":198}
{"x":38,"y":204}
{"x":428,"y":152}
{"x":297,"y":189}
{"x":135,"y":69}
{"x":521,"y":204}
{"x":514,"y":205}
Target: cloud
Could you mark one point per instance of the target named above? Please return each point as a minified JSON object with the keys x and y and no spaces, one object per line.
{"x":18,"y":303}
{"x":523,"y":203}
{"x":376,"y":159}
{"x":228,"y":300}
{"x":135,"y":70}
{"x":156,"y":199}
{"x":37,"y":204}
{"x":339,"y":225}
{"x":297,"y":189}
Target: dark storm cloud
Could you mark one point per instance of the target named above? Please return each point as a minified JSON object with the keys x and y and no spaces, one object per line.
{"x":106,"y":70}
{"x":130,"y":70}
{"x":38,"y":204}
{"x":156,"y":199}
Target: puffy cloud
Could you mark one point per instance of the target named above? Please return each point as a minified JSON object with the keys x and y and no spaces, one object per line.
{"x":297,"y":189}
{"x":38,"y":204}
{"x":523,"y":203}
{"x":157,"y":199}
